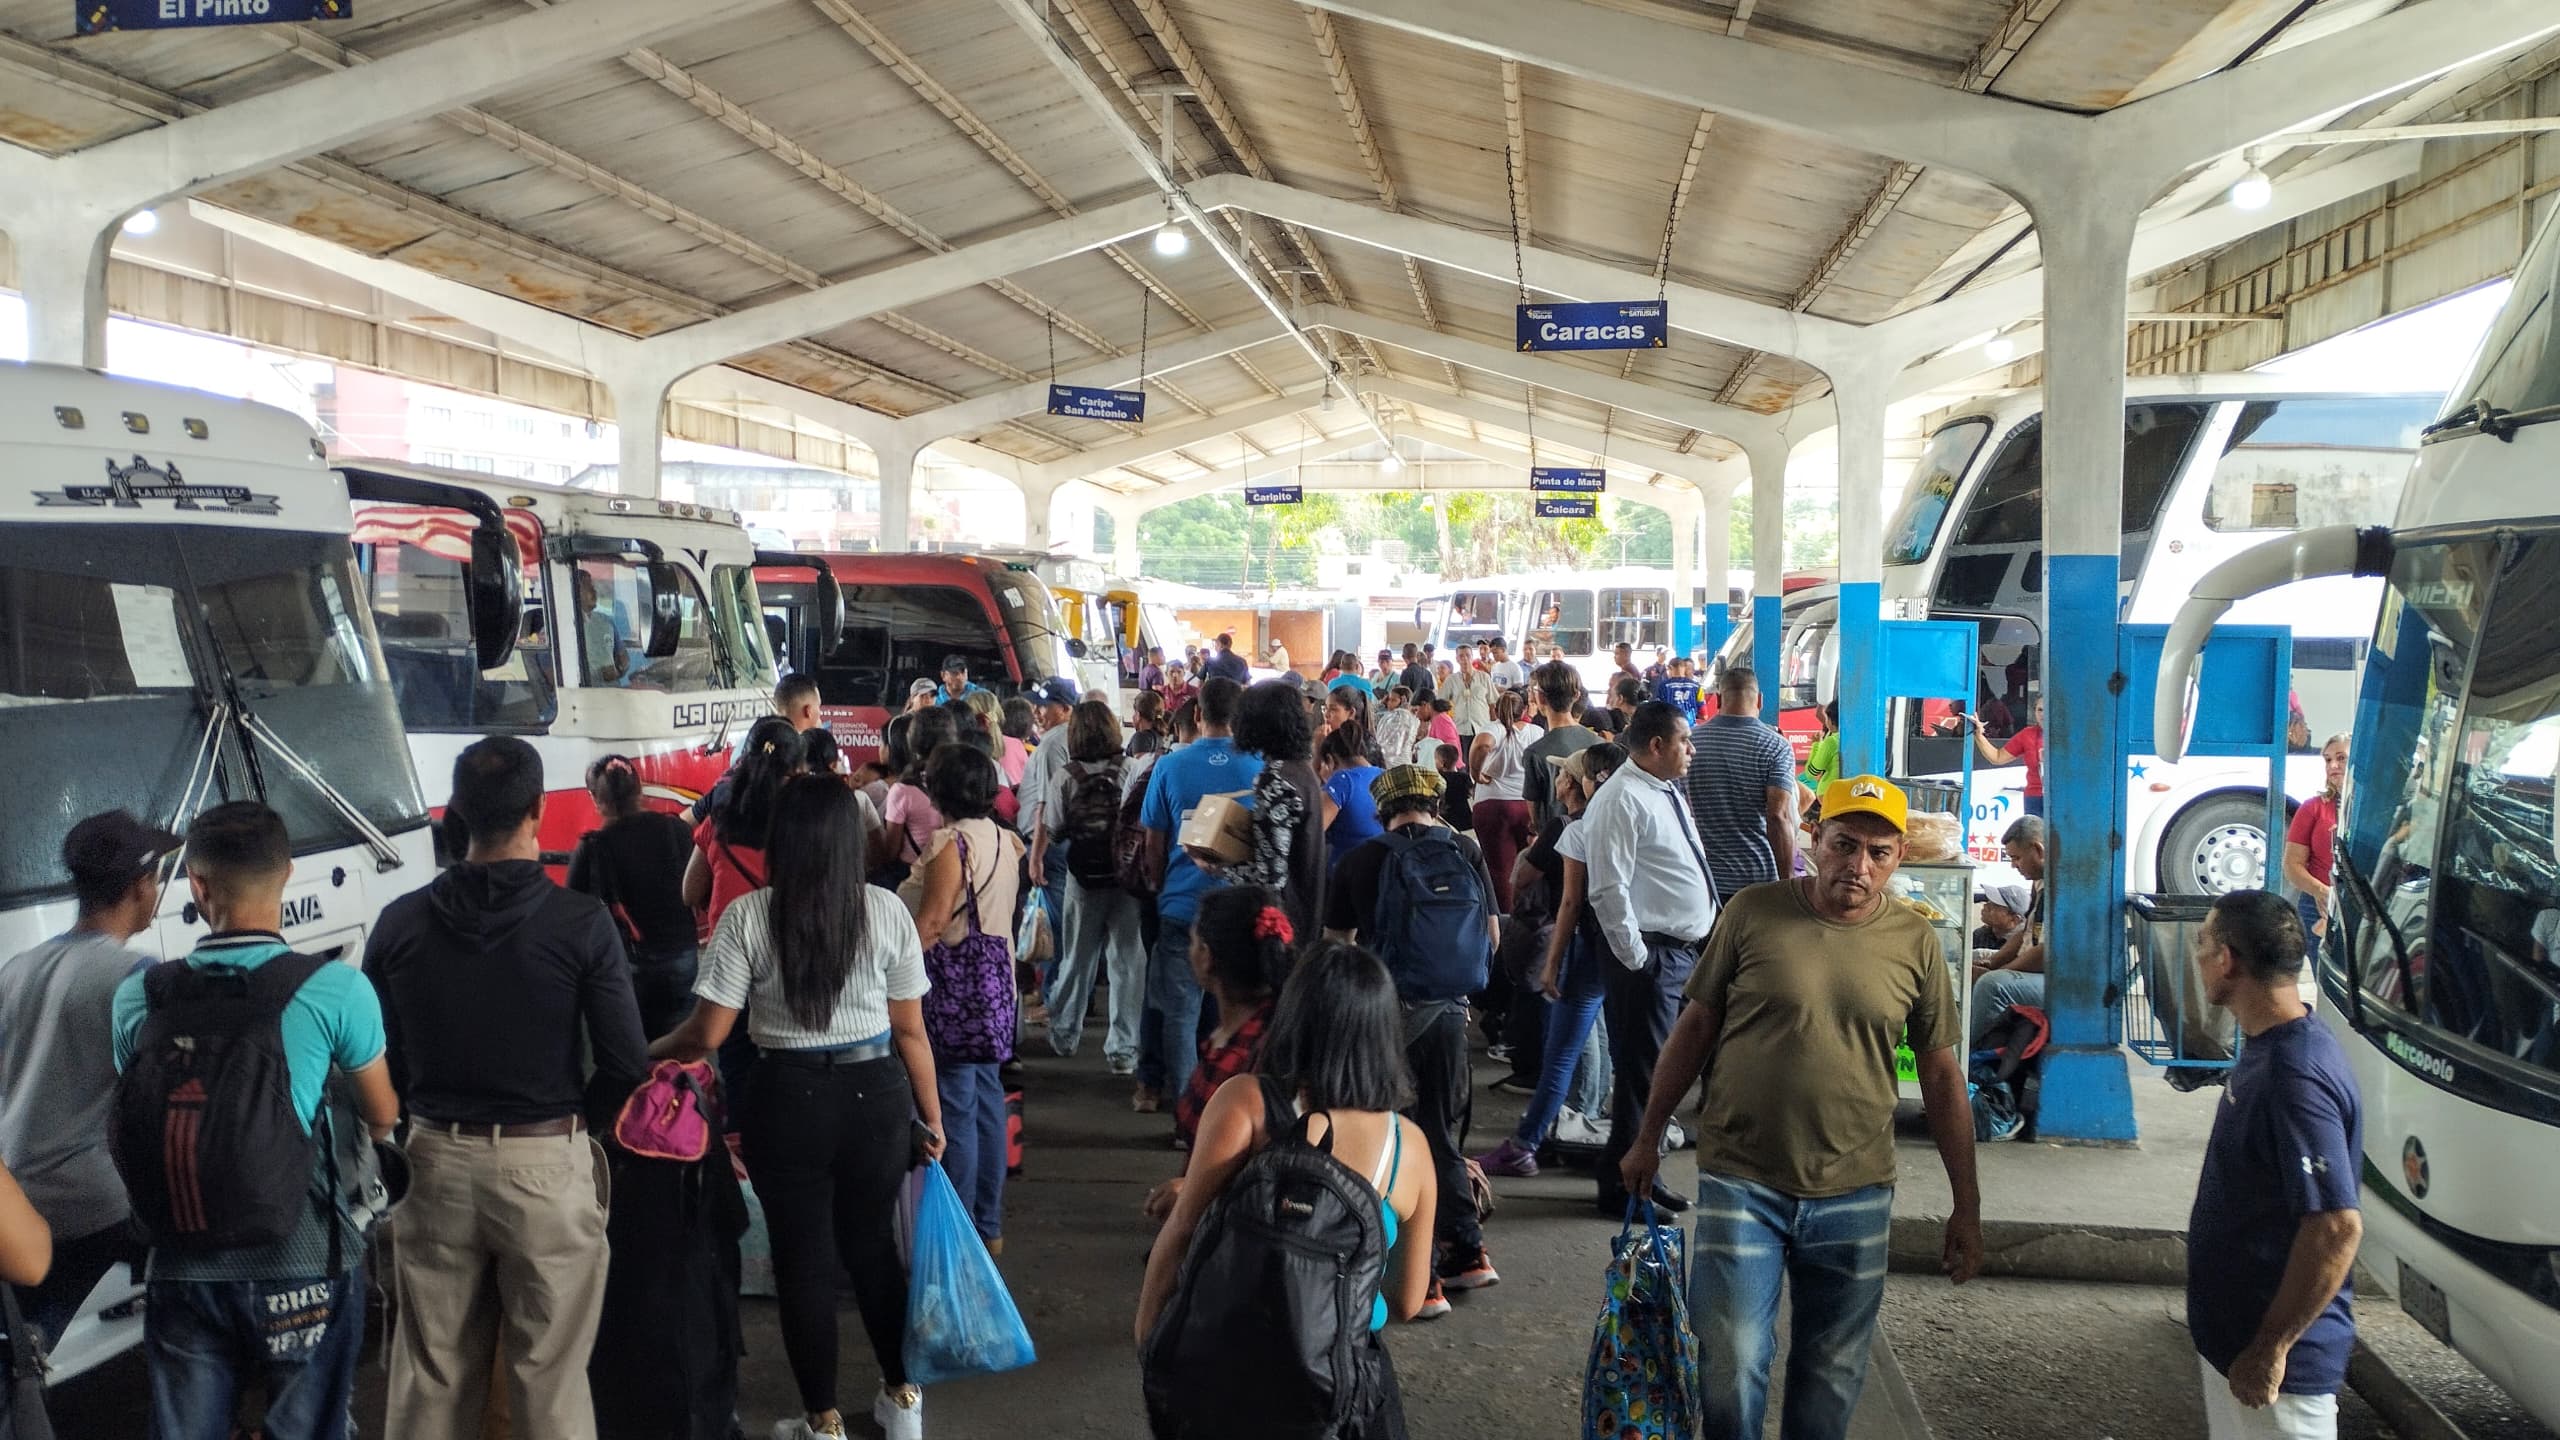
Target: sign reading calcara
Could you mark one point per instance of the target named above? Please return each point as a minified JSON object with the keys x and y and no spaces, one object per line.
{"x":1601,"y":325}
{"x":1571,"y":480}
{"x":1274,"y":494}
{"x":1092,"y":402}
{"x":96,"y":17}
{"x":1567,"y":507}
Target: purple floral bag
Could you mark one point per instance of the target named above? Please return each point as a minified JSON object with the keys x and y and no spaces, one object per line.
{"x":968,"y":1014}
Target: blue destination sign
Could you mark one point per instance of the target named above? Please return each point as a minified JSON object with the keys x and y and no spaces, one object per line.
{"x":1567,"y":507}
{"x":1274,"y":494}
{"x":96,"y":17}
{"x":1599,"y":325}
{"x":1092,"y":402}
{"x":1569,"y":479}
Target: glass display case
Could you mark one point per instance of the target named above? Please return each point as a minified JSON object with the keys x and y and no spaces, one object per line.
{"x":1944,"y":894}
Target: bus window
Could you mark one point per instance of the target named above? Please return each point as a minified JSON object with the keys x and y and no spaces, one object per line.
{"x":1561,"y":619}
{"x":1635,"y":617}
{"x":1932,"y":489}
{"x":2005,"y":686}
{"x":2008,"y":507}
{"x":613,"y":607}
{"x":895,"y":635}
{"x":1800,"y":664}
{"x":2301,"y":463}
{"x":2519,"y":364}
{"x":422,"y":610}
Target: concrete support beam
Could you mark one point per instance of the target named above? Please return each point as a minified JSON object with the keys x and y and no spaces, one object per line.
{"x":1039,"y":507}
{"x":74,"y":202}
{"x":1698,"y":470}
{"x":980,"y":412}
{"x":897,"y":496}
{"x":1086,"y":464}
{"x":1235,"y":475}
{"x":1728,"y":421}
{"x":1768,"y":460}
{"x":1859,"y":397}
{"x":1627,"y":481}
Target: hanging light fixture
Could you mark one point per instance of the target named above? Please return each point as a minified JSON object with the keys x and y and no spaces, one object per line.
{"x":1172,"y":240}
{"x":2253,"y":190}
{"x":142,"y":222}
{"x":1392,"y":465}
{"x":1999,"y":349}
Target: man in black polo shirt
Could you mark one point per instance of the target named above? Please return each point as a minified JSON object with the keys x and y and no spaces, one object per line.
{"x":496,"y":984}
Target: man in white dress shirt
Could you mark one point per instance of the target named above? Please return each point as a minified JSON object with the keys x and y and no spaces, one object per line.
{"x":1651,"y":889}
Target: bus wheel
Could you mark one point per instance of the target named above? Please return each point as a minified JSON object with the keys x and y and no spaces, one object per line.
{"x":2216,"y":846}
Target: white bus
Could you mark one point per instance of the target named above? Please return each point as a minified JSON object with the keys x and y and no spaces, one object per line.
{"x":2439,"y":970}
{"x":2214,"y":464}
{"x":1580,"y":615}
{"x":182,"y":624}
{"x":642,"y":631}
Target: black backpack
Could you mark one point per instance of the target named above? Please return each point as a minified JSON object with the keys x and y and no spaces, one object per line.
{"x":1129,"y":839}
{"x":205,"y":1135}
{"x":1429,"y":924}
{"x":1267,"y":1334}
{"x":1093,"y":822}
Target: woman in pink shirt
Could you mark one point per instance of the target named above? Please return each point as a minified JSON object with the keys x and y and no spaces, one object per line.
{"x":1444,"y":725}
{"x":910,"y":813}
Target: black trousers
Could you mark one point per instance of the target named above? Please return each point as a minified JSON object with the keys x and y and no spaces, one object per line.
{"x":78,"y":1265}
{"x":1641,"y":1006}
{"x":829,"y":1149}
{"x":1443,"y":1095}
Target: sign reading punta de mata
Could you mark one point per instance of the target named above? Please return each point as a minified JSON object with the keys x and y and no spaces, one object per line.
{"x":96,"y":17}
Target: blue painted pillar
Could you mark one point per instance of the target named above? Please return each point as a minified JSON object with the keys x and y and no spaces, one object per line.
{"x":1719,"y":618}
{"x":1862,"y":739}
{"x":1768,"y":460}
{"x":1765,"y":619}
{"x":2086,"y":240}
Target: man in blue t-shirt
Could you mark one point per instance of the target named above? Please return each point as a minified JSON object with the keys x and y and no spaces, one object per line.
{"x":2271,"y":1244}
{"x":1210,"y":765}
{"x":1679,"y":690}
{"x":290,"y":1314}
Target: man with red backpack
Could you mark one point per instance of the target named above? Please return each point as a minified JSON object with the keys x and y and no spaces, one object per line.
{"x":1419,"y":897}
{"x":222,"y":1133}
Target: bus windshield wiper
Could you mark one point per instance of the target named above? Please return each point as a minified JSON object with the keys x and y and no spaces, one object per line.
{"x":255,"y":732}
{"x":2491,"y":421}
{"x":2390,"y":929}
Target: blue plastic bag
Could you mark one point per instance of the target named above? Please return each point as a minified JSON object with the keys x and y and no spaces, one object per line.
{"x":1642,"y":1381}
{"x":960,"y":1319}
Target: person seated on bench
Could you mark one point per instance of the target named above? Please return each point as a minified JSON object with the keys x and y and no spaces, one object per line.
{"x":2014,"y":973}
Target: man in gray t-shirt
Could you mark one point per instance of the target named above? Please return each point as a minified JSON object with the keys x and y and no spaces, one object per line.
{"x":1558,"y":690}
{"x":57,"y":1058}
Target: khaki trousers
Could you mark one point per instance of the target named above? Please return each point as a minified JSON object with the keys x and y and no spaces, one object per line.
{"x":499,"y":1252}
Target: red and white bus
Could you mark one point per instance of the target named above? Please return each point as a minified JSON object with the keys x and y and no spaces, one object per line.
{"x":641,"y":634}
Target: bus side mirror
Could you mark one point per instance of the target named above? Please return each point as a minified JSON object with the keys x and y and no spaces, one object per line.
{"x":666,"y":608}
{"x":496,"y":593}
{"x":1077,"y":649}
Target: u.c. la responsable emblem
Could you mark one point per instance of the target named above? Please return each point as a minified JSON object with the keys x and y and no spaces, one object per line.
{"x":130,"y":487}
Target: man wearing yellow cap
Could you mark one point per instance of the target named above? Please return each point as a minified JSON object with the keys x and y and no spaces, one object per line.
{"x":1803,"y":991}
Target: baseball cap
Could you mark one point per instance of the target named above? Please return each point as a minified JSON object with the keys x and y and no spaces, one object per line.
{"x":1579,"y":764}
{"x":1405,"y":782}
{"x":924,"y":687}
{"x":1056,"y":690}
{"x":954,"y":662}
{"x":114,"y":849}
{"x":2008,"y":893}
{"x":1867,"y":795}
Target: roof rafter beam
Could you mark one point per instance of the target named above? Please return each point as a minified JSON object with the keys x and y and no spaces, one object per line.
{"x":1321,"y":447}
{"x":1579,"y":437}
{"x":1171,"y":440}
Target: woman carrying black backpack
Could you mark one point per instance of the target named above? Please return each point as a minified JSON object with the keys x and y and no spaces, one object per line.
{"x":1099,"y":932}
{"x":1308,"y":1198}
{"x":636,"y":865}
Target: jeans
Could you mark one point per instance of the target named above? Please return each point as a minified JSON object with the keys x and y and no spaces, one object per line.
{"x":973,"y":1124}
{"x":1641,"y":1005}
{"x":1995,"y":992}
{"x":1831,"y":1253}
{"x":1053,"y":894}
{"x":2292,"y":1417}
{"x":1568,"y":1022}
{"x":1100,"y":935}
{"x":828,"y":1148}
{"x":662,"y":981}
{"x":1174,"y":995}
{"x":1593,"y":1075}
{"x":202,"y":1338}
{"x":1150,"y":1019}
{"x":1443,"y":1093}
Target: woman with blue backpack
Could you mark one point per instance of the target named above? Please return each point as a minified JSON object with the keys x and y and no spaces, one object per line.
{"x":1308,"y":1200}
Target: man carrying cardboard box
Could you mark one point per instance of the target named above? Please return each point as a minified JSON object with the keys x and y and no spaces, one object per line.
{"x":1176,"y":787}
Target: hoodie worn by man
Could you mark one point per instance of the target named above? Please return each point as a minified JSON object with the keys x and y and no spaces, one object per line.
{"x":496,"y":984}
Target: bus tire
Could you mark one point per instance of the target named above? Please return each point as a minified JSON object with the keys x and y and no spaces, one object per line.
{"x":2215,"y":846}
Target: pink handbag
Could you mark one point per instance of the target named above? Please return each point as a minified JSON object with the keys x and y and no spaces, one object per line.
{"x":669,"y":1116}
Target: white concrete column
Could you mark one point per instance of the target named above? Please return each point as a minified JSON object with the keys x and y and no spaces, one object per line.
{"x":1858,"y":395}
{"x":1683,"y":636}
{"x":639,"y":393}
{"x":1039,"y":511}
{"x":1124,"y":539}
{"x":897,"y":494}
{"x":62,"y":272}
{"x":1715,"y":561}
{"x":1768,"y":564}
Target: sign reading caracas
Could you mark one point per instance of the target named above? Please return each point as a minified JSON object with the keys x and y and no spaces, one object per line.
{"x":1274,"y":494}
{"x":96,"y":17}
{"x":1597,"y":325}
{"x":1567,"y":507}
{"x":1571,"y":480}
{"x":1092,"y":402}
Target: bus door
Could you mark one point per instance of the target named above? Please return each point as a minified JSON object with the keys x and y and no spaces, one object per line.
{"x":2008,"y":679}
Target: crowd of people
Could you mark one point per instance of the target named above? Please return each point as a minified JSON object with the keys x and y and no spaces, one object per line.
{"x":1300,"y":902}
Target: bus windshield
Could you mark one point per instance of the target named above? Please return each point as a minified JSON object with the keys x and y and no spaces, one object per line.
{"x":2450,"y":816}
{"x":2518,"y":368}
{"x":120,"y":638}
{"x":1932,"y":490}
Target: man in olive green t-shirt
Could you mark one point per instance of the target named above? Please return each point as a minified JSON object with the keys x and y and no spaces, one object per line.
{"x":1802,"y":993}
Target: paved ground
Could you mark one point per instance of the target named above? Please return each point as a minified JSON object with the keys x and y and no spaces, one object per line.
{"x":2003,"y":1357}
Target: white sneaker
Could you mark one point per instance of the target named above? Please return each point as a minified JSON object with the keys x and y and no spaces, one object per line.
{"x":900,"y":1413}
{"x":797,"y":1427}
{"x":1674,"y":1137}
{"x":1575,"y":1128}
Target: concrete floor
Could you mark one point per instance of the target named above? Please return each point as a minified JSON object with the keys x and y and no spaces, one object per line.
{"x":2002,"y":1357}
